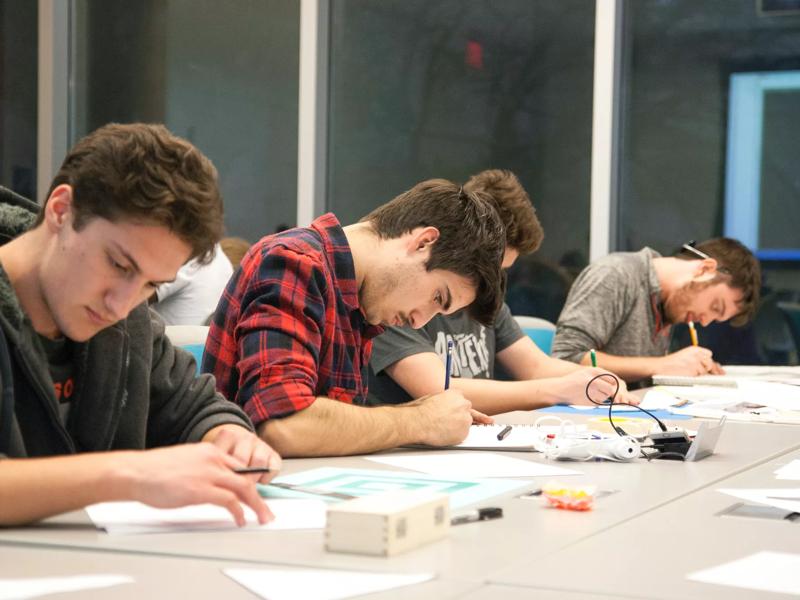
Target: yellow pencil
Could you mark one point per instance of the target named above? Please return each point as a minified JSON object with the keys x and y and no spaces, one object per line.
{"x":693,"y":333}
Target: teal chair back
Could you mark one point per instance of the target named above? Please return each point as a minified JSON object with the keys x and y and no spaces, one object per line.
{"x":191,"y":338}
{"x":541,"y":331}
{"x":197,"y":352}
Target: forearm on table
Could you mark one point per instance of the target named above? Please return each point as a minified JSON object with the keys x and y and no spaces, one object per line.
{"x":332,"y":428}
{"x":35,"y":488}
{"x":493,"y":397}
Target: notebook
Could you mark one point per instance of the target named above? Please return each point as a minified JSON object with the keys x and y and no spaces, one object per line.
{"x":521,"y":438}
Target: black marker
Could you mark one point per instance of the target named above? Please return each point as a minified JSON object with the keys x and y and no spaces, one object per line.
{"x":482,"y":514}
{"x":503,"y":434}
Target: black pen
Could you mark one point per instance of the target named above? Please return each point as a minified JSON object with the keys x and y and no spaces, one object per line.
{"x":502,"y":435}
{"x":482,"y":514}
{"x":248,"y":470}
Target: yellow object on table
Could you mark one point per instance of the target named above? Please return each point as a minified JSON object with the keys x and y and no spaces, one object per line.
{"x":569,"y":497}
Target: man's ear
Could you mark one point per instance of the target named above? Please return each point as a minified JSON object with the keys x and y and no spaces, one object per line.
{"x":58,"y":209}
{"x":422,"y":238}
{"x":705,"y":269}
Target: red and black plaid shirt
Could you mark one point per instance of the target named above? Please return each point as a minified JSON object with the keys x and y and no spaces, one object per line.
{"x":289,"y":327}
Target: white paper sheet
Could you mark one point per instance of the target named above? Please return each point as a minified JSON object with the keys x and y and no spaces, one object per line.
{"x":471,"y":465}
{"x":765,"y":571}
{"x":789,"y":471}
{"x":135,"y":517}
{"x":783,"y":498}
{"x":318,"y":584}
{"x":19,"y":589}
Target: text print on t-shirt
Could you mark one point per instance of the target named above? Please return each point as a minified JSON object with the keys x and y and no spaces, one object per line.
{"x":64,"y":389}
{"x":470,"y":353}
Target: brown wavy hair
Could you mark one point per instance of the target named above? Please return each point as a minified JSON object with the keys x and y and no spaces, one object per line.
{"x":524,"y":232}
{"x":143,"y":173}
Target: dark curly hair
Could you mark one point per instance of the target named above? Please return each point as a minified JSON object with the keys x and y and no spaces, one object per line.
{"x":471,"y":239}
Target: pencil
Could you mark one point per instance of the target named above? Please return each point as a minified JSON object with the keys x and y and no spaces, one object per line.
{"x":593,"y":354}
{"x":693,"y":333}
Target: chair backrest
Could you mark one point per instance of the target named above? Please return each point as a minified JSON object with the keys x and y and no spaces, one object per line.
{"x":791,"y":311}
{"x":191,"y":338}
{"x":541,"y":331}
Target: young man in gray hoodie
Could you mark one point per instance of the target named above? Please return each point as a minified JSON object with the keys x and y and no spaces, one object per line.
{"x":94,"y":396}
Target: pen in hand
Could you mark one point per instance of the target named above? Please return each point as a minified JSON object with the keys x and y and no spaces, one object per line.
{"x":448,"y":364}
{"x":249,"y":470}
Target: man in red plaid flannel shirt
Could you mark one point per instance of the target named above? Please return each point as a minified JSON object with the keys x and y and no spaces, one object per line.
{"x":291,"y":337}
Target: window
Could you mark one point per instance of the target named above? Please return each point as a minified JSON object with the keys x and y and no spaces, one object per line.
{"x":18,"y":89}
{"x":222,"y":74}
{"x":422,"y":89}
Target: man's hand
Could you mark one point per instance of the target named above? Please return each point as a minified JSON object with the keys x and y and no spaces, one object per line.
{"x":247,"y":448}
{"x":572,"y":388}
{"x":692,"y":360}
{"x":443,"y":419}
{"x":193,"y":474}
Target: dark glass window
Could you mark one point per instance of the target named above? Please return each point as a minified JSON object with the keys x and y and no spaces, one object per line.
{"x":222,"y":74}
{"x":679,"y":155}
{"x":18,"y":89}
{"x":422,"y":89}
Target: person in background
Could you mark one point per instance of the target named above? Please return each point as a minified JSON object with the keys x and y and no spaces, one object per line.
{"x":292,"y":336}
{"x":193,"y":295}
{"x":624,"y":304}
{"x":408,"y":363}
{"x":234,"y":248}
{"x":95,"y":403}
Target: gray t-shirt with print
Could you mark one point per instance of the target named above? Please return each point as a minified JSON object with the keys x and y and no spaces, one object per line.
{"x":474,"y":350}
{"x":614,"y":306}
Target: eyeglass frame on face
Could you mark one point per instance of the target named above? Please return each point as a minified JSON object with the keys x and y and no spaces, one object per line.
{"x":689,"y":247}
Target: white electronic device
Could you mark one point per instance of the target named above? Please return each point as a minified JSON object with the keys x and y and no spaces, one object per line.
{"x":571,"y":448}
{"x":387,"y":524}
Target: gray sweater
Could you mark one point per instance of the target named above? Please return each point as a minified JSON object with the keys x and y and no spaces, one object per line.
{"x":614,"y":306}
{"x":134,"y":390}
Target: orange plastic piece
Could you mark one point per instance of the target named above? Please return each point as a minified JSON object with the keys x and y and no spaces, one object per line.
{"x":569,"y":497}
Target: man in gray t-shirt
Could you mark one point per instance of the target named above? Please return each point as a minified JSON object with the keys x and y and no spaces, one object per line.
{"x":408,"y":363}
{"x":474,"y":350}
{"x":624,"y":305}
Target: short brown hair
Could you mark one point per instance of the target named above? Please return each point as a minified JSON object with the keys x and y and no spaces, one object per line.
{"x":524,"y":232}
{"x":471,"y":239}
{"x":737,"y":267}
{"x":144,"y":173}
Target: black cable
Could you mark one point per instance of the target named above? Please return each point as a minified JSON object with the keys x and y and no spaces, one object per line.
{"x":610,"y":401}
